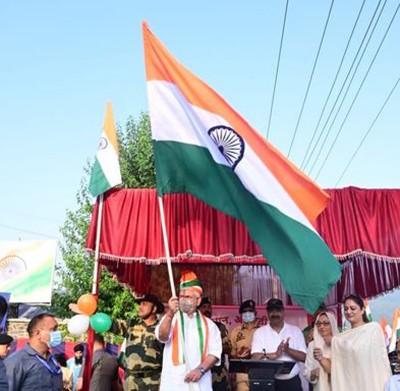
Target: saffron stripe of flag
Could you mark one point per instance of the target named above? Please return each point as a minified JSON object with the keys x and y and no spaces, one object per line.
{"x":203,"y":147}
{"x":106,"y":171}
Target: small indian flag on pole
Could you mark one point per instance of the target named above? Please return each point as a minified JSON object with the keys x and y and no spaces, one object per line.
{"x":368,"y":310}
{"x":105,"y":171}
{"x":395,"y":331}
{"x":387,"y":330}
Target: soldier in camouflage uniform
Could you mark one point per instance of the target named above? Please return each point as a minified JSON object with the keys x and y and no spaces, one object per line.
{"x":220,"y":376}
{"x":143,"y":352}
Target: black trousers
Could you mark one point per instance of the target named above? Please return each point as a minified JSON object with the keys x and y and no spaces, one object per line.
{"x":293,"y":384}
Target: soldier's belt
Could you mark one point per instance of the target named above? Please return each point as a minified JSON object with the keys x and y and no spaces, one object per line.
{"x":141,"y":374}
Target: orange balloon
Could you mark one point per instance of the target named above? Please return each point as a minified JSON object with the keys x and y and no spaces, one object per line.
{"x":87,"y":304}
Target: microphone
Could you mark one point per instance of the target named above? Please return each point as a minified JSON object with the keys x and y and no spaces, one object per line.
{"x":265,"y":355}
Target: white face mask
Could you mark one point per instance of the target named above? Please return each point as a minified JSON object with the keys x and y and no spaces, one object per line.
{"x":187,"y":305}
{"x":248,"y":317}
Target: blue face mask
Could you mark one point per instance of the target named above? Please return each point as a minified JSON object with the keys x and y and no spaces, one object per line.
{"x":55,"y":338}
{"x":248,"y":317}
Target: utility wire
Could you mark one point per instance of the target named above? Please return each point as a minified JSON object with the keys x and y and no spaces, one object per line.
{"x":348,"y":88}
{"x":29,"y":216}
{"x":338,"y":96}
{"x":311,"y":78}
{"x":26,"y":231}
{"x":332,"y":86}
{"x":344,"y":84}
{"x":368,"y":131}
{"x":358,"y":91}
{"x":277,"y":69}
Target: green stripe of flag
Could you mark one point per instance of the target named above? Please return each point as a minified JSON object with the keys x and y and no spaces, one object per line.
{"x":98,"y":182}
{"x":296,"y":253}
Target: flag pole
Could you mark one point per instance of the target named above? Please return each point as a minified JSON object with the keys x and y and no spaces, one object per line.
{"x":97,"y":268}
{"x":95,"y":292}
{"x":192,"y":386}
{"x":166,"y":246}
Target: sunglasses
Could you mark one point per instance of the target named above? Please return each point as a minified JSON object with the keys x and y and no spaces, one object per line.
{"x":319,"y":324}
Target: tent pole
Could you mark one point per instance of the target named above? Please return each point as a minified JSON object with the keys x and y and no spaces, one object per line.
{"x":165,"y":237}
{"x":97,"y":268}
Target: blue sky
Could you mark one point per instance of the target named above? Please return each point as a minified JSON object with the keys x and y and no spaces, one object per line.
{"x":62,"y":61}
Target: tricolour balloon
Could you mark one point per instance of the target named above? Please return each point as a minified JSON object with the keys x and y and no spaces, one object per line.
{"x":87,"y":304}
{"x":78,"y":324}
{"x":100,"y":322}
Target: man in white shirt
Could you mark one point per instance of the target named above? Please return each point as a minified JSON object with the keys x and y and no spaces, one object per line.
{"x":192,"y":341}
{"x":280,"y":341}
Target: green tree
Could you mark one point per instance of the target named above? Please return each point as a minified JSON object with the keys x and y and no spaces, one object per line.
{"x":74,"y":275}
{"x":136,"y":154}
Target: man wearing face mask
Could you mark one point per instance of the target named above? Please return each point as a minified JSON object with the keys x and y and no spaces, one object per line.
{"x":241,"y":338}
{"x":279,"y":340}
{"x":192,"y":341}
{"x":33,"y":367}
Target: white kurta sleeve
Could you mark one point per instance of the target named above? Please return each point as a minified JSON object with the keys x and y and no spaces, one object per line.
{"x":157,"y":329}
{"x":215,"y":342}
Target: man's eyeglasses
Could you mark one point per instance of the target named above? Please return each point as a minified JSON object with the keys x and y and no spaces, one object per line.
{"x":186,"y":296}
{"x":319,"y":324}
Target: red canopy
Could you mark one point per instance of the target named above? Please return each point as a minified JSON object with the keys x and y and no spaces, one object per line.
{"x":361,"y":226}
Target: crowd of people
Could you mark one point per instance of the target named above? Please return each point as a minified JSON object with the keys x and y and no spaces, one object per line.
{"x":182,"y":348}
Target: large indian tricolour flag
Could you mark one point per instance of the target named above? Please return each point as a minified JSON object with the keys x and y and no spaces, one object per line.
{"x":203,"y":147}
{"x":106,"y":172}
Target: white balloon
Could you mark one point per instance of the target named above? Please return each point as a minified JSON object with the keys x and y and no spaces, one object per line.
{"x":78,"y":324}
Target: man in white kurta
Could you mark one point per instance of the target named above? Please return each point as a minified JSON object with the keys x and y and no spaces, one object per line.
{"x":192,"y":342}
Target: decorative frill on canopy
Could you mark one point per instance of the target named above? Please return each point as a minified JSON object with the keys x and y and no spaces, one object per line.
{"x":361,"y":226}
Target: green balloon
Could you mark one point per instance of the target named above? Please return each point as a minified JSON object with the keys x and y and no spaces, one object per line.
{"x":100,"y":322}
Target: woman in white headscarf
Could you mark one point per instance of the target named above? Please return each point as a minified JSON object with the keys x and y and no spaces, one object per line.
{"x":318,"y":361}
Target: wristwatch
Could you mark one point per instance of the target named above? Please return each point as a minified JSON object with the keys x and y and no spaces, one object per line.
{"x":202,"y":370}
